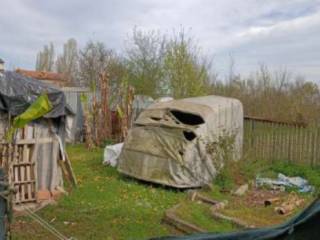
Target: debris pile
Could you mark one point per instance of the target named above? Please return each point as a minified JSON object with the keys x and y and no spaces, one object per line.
{"x":283,"y":182}
{"x":286,"y":207}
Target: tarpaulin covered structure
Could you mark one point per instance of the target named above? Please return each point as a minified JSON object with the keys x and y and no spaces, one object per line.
{"x":39,"y":144}
{"x":18,"y":92}
{"x":304,"y":226}
{"x":183,"y":143}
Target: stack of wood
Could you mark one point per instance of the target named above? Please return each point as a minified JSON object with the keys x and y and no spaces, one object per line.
{"x":287,"y":207}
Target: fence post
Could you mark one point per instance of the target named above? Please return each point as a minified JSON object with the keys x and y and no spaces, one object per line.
{"x":316,"y":146}
{"x":252,"y":133}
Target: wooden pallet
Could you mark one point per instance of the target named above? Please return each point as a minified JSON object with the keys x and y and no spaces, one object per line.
{"x":19,"y":160}
{"x":20,"y":164}
{"x":23,"y":173}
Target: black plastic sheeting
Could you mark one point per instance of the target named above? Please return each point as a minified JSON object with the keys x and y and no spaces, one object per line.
{"x":18,"y":92}
{"x":305,"y":226}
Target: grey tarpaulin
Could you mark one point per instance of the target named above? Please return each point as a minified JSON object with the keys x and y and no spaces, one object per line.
{"x":183,"y":143}
{"x":17,"y":92}
{"x":304,"y":226}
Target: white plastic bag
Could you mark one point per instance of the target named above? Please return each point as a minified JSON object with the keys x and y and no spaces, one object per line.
{"x":111,"y":154}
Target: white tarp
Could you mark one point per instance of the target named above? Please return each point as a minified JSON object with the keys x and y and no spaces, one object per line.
{"x":183,"y":143}
{"x":111,"y":154}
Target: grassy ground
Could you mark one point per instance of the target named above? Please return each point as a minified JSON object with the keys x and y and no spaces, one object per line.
{"x":249,"y":208}
{"x":107,"y":205}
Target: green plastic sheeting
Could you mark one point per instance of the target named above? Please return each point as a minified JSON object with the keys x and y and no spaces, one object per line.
{"x":37,"y":109}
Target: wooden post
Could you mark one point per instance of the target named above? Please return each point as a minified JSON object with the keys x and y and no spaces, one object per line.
{"x":252,"y":134}
{"x":316,"y":147}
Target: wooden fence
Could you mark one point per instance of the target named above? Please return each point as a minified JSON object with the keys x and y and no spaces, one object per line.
{"x":282,"y":141}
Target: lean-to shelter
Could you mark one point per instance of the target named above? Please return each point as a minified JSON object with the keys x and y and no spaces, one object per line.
{"x":31,"y":158}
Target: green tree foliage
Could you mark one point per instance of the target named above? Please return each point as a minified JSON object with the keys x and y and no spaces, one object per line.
{"x":185,"y":69}
{"x":157,"y":64}
{"x":162,"y":65}
{"x":144,"y":61}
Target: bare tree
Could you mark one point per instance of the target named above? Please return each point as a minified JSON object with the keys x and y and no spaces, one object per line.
{"x":94,"y":59}
{"x":67,"y":63}
{"x":45,"y":58}
{"x":187,"y":71}
{"x":231,"y":76}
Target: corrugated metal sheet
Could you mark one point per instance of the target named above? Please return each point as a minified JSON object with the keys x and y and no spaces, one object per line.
{"x":73,"y":98}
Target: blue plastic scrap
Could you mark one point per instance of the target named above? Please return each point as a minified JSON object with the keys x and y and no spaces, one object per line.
{"x":283,"y":180}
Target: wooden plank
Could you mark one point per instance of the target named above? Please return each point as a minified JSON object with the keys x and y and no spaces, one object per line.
{"x":290,"y":134}
{"x":24,"y":164}
{"x":269,"y":152}
{"x":266,"y":120}
{"x":304,"y":147}
{"x":309,"y":147}
{"x":317,"y":151}
{"x":4,"y":156}
{"x":233,"y":220}
{"x":317,"y":148}
{"x":33,"y":159}
{"x":295,"y":146}
{"x":16,"y":172}
{"x":70,"y":170}
{"x":25,"y":201}
{"x":276,"y":143}
{"x":20,"y":173}
{"x":30,"y":141}
{"x":273,"y":148}
{"x":28,"y":180}
{"x":182,"y":225}
{"x":23,"y":182}
{"x":298,"y":145}
{"x":313,"y":139}
{"x":22,"y":168}
{"x":279,"y":143}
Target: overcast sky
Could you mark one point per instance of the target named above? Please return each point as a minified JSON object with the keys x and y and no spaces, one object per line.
{"x":279,"y":33}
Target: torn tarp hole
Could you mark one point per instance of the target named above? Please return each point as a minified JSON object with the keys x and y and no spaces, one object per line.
{"x":189,"y":135}
{"x":187,"y":118}
{"x":156,"y":118}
